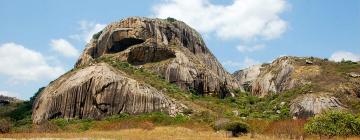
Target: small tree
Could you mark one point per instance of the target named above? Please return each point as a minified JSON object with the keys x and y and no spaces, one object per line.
{"x":334,"y":123}
{"x":237,"y":128}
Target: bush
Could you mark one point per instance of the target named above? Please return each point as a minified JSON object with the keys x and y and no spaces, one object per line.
{"x":170,"y":19}
{"x":97,"y":35}
{"x":237,"y":128}
{"x":334,"y":123}
{"x":5,"y":126}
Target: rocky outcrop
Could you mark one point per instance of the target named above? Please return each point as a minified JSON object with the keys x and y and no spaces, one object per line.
{"x":5,"y":100}
{"x":247,"y":76}
{"x":98,"y":91}
{"x":276,"y":77}
{"x":312,"y":104}
{"x":169,"y":48}
{"x":283,"y":74}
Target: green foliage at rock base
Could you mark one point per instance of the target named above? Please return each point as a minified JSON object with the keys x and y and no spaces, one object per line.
{"x":334,"y":123}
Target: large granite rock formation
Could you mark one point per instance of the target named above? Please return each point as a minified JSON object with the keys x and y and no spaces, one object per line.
{"x":98,"y":91}
{"x":170,"y":48}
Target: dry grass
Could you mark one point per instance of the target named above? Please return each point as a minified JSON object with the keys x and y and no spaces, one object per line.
{"x":163,"y":133}
{"x":158,"y":133}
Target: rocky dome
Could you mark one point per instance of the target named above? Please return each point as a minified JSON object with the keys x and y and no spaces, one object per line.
{"x":169,"y":48}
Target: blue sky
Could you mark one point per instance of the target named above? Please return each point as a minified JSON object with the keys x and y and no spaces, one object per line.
{"x":40,"y":40}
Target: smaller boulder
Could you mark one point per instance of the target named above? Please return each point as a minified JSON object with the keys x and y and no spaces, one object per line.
{"x":354,"y":75}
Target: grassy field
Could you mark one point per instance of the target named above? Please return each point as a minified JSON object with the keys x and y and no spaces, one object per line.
{"x":158,"y":133}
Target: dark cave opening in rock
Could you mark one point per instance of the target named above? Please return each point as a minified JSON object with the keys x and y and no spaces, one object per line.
{"x":123,"y":44}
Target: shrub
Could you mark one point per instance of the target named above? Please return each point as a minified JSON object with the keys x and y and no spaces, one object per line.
{"x":334,"y":123}
{"x":5,"y":126}
{"x":170,"y":19}
{"x":237,"y":128}
{"x":97,"y":35}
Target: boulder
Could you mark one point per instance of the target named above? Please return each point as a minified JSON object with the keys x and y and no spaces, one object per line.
{"x":98,"y":91}
{"x":312,"y":104}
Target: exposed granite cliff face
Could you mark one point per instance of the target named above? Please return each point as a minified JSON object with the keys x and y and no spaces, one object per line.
{"x":98,"y":91}
{"x":247,"y":76}
{"x":330,"y":84}
{"x":170,"y":48}
{"x":311,"y":104}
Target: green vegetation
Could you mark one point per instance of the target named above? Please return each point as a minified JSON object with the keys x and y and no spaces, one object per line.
{"x":18,"y":115}
{"x":237,"y":128}
{"x":170,"y":19}
{"x":146,"y":76}
{"x":334,"y":123}
{"x":97,"y":35}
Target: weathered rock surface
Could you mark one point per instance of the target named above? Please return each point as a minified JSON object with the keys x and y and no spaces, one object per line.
{"x":170,"y":48}
{"x":281,"y":75}
{"x":247,"y":76}
{"x":98,"y":91}
{"x":312,"y":104}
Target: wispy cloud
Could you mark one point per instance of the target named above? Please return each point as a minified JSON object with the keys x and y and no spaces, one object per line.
{"x":21,"y":64}
{"x":64,"y":47}
{"x":87,"y":30}
{"x":235,"y":65}
{"x":243,"y":19}
{"x":243,"y":48}
{"x":343,"y":55}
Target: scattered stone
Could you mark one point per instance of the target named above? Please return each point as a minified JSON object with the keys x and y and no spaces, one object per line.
{"x":354,"y":75}
{"x":278,"y":111}
{"x":282,"y":103}
{"x":309,"y":62}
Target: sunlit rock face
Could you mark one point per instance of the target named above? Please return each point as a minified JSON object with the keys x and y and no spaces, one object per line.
{"x":98,"y":91}
{"x":170,"y":48}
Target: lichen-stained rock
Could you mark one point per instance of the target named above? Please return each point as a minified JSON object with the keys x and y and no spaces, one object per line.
{"x":169,"y":48}
{"x":98,"y":91}
{"x":312,"y":104}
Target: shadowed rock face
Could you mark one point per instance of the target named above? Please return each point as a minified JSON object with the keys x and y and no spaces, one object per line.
{"x":98,"y":91}
{"x":170,"y":48}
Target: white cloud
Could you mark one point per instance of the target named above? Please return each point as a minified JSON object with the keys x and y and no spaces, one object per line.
{"x":88,"y":29}
{"x":64,"y":47}
{"x":343,"y":55}
{"x":244,"y":19}
{"x":247,"y":62}
{"x":243,"y":48}
{"x":22,"y":64}
{"x":10,"y":94}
